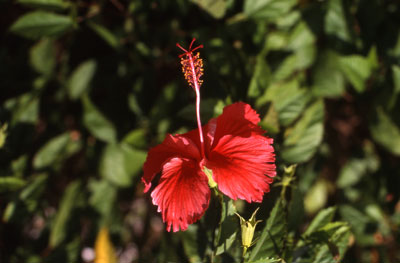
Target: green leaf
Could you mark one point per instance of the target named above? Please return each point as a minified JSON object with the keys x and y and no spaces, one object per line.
{"x":270,"y":122}
{"x":299,"y":37}
{"x":28,"y":196}
{"x":267,"y":9}
{"x":288,"y":98}
{"x":336,"y":246}
{"x":68,"y":203}
{"x":216,"y":8}
{"x":24,"y":108}
{"x":268,"y":260}
{"x":328,"y":80}
{"x":385,"y":131}
{"x":134,"y":105}
{"x":47,"y":4}
{"x":396,"y":86}
{"x":320,"y":220}
{"x":356,"y":69}
{"x":79,"y":81}
{"x":190,"y":243}
{"x":34,"y":187}
{"x":272,"y":236}
{"x":51,"y":151}
{"x":358,"y":222}
{"x":105,"y":34}
{"x":335,"y":21}
{"x":277,"y":40}
{"x":317,"y":196}
{"x":43,"y":57}
{"x":352,"y":172}
{"x":261,"y":77}
{"x":302,"y":141}
{"x":396,"y":79}
{"x":119,"y":163}
{"x":103,"y":196}
{"x":3,"y":134}
{"x":10,"y":183}
{"x":41,"y":24}
{"x":228,"y":227}
{"x":96,"y":123}
{"x":136,"y":138}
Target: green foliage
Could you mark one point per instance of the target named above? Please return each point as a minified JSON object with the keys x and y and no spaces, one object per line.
{"x":41,"y":24}
{"x":272,"y":236}
{"x":80,"y":79}
{"x":96,"y":123}
{"x":89,"y":87}
{"x":67,"y":205}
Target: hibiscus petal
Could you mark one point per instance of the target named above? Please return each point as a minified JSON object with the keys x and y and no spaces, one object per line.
{"x":237,"y":119}
{"x":243,"y":167}
{"x":182,"y":196}
{"x":172,"y":146}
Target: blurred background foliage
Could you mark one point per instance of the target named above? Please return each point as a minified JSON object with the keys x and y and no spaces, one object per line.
{"x":88,"y":86}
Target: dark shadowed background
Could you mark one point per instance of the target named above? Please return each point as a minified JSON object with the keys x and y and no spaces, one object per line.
{"x":87,"y":87}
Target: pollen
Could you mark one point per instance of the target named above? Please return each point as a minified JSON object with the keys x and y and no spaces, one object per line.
{"x":192,"y":68}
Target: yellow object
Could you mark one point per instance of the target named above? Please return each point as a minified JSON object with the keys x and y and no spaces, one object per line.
{"x":3,"y":134}
{"x":104,"y":249}
{"x":248,"y":228}
{"x":211,"y":181}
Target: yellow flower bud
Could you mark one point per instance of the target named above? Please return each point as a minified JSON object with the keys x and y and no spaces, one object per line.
{"x":248,"y":228}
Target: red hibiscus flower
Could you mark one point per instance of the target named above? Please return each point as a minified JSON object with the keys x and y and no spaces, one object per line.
{"x":234,"y":149}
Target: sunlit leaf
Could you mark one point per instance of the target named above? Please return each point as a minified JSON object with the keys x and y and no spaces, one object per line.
{"x":80,"y":79}
{"x":288,"y":98}
{"x":10,"y":183}
{"x":268,"y":260}
{"x":356,"y":69}
{"x":352,"y":172}
{"x":396,"y":86}
{"x":3,"y":134}
{"x":24,"y":108}
{"x":51,"y":151}
{"x":316,"y":197}
{"x":120,"y":163}
{"x":300,"y":37}
{"x":303,"y":139}
{"x":385,"y":131}
{"x":321,"y":219}
{"x":41,"y":24}
{"x":267,"y":9}
{"x":215,"y":8}
{"x":335,"y":21}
